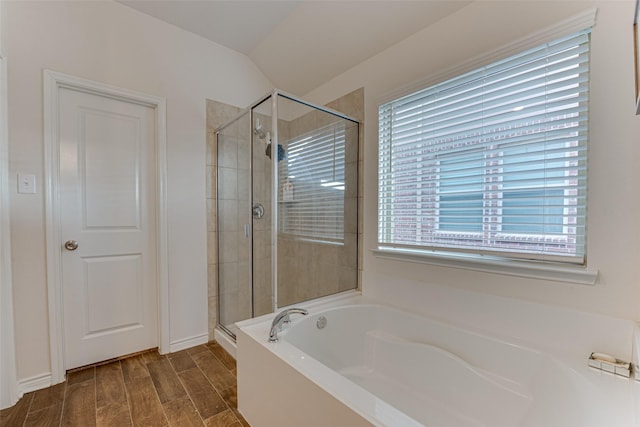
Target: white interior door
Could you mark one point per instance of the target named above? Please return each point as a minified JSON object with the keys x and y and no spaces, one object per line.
{"x":107,"y":198}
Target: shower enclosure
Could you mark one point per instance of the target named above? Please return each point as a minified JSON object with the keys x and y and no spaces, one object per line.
{"x":287,"y":204}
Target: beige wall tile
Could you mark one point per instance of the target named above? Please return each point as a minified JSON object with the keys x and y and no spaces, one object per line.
{"x":228,"y":219}
{"x":228,"y":184}
{"x":228,"y":246}
{"x":212,"y":247}
{"x":212,"y":152}
{"x":211,"y":215}
{"x":211,"y":182}
{"x":219,"y":113}
{"x":212,"y":279}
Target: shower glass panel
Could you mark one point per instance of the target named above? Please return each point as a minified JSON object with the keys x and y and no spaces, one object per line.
{"x":317,"y":203}
{"x":234,"y":219}
{"x":287,"y":203}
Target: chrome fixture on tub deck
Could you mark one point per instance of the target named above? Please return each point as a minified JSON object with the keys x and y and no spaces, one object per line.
{"x":282,"y":319}
{"x":610,"y":364}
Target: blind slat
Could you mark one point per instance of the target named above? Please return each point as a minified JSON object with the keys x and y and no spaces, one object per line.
{"x":315,"y":166}
{"x":493,"y":160}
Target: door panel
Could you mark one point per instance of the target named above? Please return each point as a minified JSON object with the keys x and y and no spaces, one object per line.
{"x":110,"y":153}
{"x":113,"y":289}
{"x":107,"y":197}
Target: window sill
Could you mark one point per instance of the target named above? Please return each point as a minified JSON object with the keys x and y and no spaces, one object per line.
{"x":534,"y":270}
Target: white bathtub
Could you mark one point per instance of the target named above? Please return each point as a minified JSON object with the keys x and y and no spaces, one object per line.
{"x":375,"y":365}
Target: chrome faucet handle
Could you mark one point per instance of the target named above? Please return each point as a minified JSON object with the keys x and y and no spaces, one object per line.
{"x":294,"y":310}
{"x":281,"y":319}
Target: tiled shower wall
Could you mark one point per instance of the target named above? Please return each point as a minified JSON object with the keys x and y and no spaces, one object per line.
{"x":307,"y":269}
{"x":229,"y":250}
{"x":217,"y":115}
{"x":234,"y":211}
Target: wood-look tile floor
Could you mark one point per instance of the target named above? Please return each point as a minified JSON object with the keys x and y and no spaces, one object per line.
{"x":194,"y":387}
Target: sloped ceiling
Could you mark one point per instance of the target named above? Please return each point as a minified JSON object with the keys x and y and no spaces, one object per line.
{"x":301,"y":45}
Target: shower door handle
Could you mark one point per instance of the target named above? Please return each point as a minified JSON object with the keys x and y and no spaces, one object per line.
{"x":258,"y":211}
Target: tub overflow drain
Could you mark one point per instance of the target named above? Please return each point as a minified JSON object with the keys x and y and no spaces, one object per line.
{"x":322,"y":322}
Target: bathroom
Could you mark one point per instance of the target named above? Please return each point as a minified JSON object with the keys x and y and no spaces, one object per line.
{"x":151,"y":56}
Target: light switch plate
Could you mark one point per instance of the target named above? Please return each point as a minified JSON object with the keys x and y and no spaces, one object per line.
{"x":26,"y":183}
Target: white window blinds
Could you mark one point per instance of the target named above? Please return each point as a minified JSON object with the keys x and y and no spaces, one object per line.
{"x":493,"y":161}
{"x":313,"y":205}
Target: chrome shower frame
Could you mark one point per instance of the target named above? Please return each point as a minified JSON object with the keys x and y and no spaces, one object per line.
{"x":274,"y":96}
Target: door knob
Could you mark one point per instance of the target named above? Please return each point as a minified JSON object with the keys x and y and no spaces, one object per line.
{"x":71,"y":245}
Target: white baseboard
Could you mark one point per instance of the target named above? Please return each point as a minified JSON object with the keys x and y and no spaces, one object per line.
{"x":188,"y":342}
{"x":225,"y":342}
{"x":34,"y":383}
{"x":44,"y":380}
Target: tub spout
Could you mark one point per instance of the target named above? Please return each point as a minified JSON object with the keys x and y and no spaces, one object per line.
{"x":281,"y":319}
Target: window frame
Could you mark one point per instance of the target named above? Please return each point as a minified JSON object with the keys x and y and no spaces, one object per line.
{"x":549,"y":268}
{"x":501,"y":237}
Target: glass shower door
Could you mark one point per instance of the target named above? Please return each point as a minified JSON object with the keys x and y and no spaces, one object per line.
{"x":234,"y":218}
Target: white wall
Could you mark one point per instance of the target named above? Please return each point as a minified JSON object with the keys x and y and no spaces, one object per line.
{"x":8,"y":389}
{"x":3,"y":28}
{"x":111,"y":43}
{"x":614,"y":175}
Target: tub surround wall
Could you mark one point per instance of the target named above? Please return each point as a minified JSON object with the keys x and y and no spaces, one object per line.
{"x":568,"y":333}
{"x":310,"y":270}
{"x":613,"y":199}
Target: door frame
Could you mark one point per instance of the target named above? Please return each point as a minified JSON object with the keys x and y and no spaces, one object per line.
{"x":53,"y":83}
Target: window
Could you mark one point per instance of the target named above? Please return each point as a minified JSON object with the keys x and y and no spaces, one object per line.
{"x":492,"y":161}
{"x":314,"y":168}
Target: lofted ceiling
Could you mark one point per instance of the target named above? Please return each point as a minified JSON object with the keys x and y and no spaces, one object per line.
{"x":300,"y":45}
